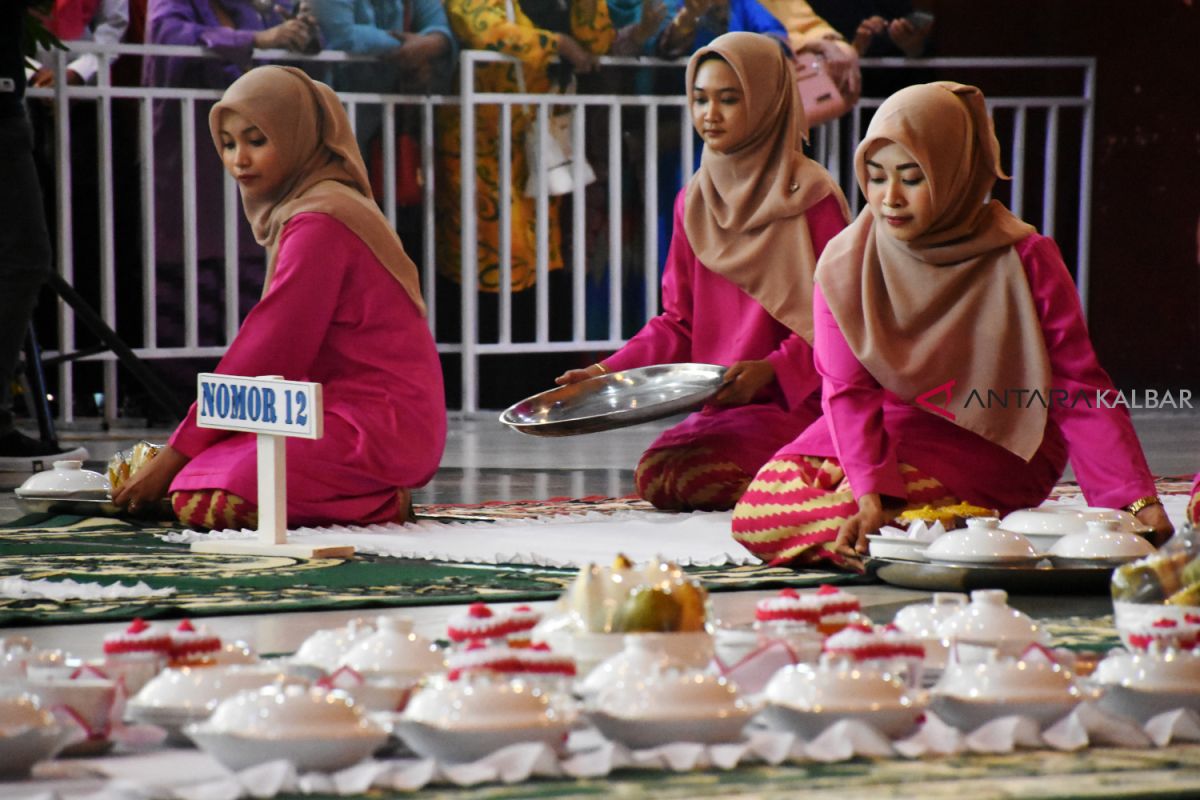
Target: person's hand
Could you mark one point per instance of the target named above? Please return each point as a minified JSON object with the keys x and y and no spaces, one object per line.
{"x":868,"y":29}
{"x":908,"y":37}
{"x":653,"y":13}
{"x":291,"y":35}
{"x":841,"y":59}
{"x":150,"y":483}
{"x":416,"y":49}
{"x":577,"y":375}
{"x":1155,"y":516}
{"x":872,"y":515}
{"x":575,"y":54}
{"x":304,"y":13}
{"x":44,"y":78}
{"x":743,"y":380}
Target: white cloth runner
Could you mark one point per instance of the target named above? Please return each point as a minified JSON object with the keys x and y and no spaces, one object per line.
{"x":191,"y":775}
{"x":68,"y":589}
{"x":696,"y":539}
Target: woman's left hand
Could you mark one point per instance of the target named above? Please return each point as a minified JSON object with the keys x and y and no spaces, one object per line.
{"x":744,"y":380}
{"x":150,"y":483}
{"x":1155,"y":516}
{"x":872,"y":515}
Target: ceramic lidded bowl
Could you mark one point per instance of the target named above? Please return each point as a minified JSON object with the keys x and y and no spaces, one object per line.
{"x":806,"y":699}
{"x":178,"y":696}
{"x":1047,"y":524}
{"x":983,"y":541}
{"x":314,"y":729}
{"x":66,"y":479}
{"x":661,"y":706}
{"x":1103,"y":543}
{"x":1035,"y":686}
{"x":642,"y":653}
{"x":922,"y":620}
{"x":394,"y":652}
{"x":326,"y":648}
{"x":1146,"y":684}
{"x":987,"y":624}
{"x":28,"y":734}
{"x":467,"y":719}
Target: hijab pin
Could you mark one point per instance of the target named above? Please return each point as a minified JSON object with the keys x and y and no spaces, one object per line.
{"x":794,"y":187}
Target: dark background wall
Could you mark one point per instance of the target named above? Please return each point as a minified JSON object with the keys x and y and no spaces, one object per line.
{"x":1145,"y":245}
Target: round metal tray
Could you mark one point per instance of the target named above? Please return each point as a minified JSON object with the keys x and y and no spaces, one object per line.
{"x":949,"y":577}
{"x":616,"y":400}
{"x":92,"y":507}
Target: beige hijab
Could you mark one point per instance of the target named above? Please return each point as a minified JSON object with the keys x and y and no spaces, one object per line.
{"x":744,"y":214}
{"x":309,"y":128}
{"x":953,"y":304}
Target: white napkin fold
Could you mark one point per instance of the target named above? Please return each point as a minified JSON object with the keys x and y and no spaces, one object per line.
{"x":847,"y":738}
{"x":1180,"y":725}
{"x":67,"y":589}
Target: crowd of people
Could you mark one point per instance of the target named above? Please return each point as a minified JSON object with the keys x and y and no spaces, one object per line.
{"x":833,"y":330}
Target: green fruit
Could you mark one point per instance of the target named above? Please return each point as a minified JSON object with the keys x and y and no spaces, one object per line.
{"x":1191,"y":573}
{"x":648,"y":610}
{"x":1137,"y":583}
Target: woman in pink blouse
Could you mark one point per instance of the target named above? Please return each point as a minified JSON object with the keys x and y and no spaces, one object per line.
{"x":737,"y":289}
{"x":342,"y":307}
{"x":954,"y":354}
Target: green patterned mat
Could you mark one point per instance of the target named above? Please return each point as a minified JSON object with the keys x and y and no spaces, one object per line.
{"x":1171,"y":772}
{"x":107,"y":551}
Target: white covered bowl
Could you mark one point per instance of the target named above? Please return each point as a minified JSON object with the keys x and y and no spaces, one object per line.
{"x":983,"y":541}
{"x":1035,"y":686}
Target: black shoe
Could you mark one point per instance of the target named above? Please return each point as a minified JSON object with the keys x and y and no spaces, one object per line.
{"x":24,"y":454}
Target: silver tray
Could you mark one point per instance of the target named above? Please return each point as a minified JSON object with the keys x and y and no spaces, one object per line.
{"x":86,"y":507}
{"x":949,"y":577}
{"x":616,"y":400}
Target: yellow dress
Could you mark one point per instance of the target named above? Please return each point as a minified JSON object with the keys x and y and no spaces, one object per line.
{"x":484,"y":25}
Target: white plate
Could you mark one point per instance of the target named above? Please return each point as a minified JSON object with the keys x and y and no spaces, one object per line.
{"x":1143,"y":705}
{"x":893,"y":722}
{"x":896,"y":547}
{"x":968,"y":715}
{"x":308,"y":754}
{"x":460,"y":745}
{"x":642,"y":734}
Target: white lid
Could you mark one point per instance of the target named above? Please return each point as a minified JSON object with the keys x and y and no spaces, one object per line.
{"x":480,"y":701}
{"x":393,"y":650}
{"x":1061,"y":520}
{"x":836,"y":685}
{"x":325,"y":648}
{"x":1035,"y":678}
{"x":980,"y":542}
{"x":279,"y":712}
{"x":22,"y":712}
{"x":202,"y":688}
{"x":672,"y":694}
{"x":1155,"y":670}
{"x":1102,"y":539}
{"x":67,"y":478}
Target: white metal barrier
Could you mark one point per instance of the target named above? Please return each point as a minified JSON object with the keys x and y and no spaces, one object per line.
{"x":1066,"y":147}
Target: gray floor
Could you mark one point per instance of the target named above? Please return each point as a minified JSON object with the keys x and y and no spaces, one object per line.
{"x":485,"y":461}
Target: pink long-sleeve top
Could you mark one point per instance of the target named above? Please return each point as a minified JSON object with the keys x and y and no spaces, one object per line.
{"x":333,"y":315}
{"x":708,"y":319}
{"x":870,"y":430}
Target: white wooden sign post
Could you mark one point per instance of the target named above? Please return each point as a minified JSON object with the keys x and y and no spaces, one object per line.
{"x":274,"y":409}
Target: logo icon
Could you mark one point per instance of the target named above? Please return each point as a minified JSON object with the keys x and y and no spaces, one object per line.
{"x":923,"y":400}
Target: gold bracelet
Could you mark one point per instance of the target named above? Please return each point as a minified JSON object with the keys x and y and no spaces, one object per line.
{"x":1142,"y":502}
{"x":603,"y":369}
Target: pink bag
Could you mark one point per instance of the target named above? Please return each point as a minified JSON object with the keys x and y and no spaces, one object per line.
{"x":818,"y":93}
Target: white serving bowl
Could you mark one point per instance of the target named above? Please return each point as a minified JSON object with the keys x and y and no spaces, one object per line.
{"x":374,"y":695}
{"x":1103,"y":543}
{"x":1132,"y":619}
{"x":66,"y":479}
{"x":179,"y":696}
{"x":1047,"y":524}
{"x":988,"y":624}
{"x":806,"y":699}
{"x":467,"y":719}
{"x":86,"y":699}
{"x":394,"y":652}
{"x":314,"y":729}
{"x":983,"y":541}
{"x":1144,"y":685}
{"x":659,"y":706}
{"x":28,"y":734}
{"x":970,"y":695}
{"x":589,"y":650}
{"x":901,"y":547}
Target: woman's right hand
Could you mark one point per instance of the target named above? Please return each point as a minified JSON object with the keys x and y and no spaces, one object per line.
{"x":150,"y":483}
{"x":872,"y":515}
{"x":291,"y":35}
{"x":868,"y":29}
{"x":575,"y":54}
{"x":577,"y":375}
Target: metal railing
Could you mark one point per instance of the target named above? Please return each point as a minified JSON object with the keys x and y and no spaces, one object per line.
{"x":1038,"y":186}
